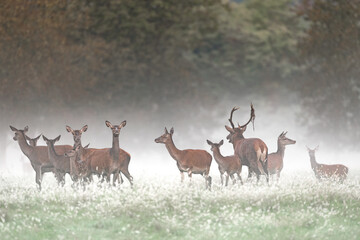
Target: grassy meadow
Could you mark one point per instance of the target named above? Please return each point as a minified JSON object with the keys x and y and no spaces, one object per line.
{"x":158,"y":207}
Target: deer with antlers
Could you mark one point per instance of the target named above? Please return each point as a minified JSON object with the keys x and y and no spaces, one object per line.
{"x":188,"y":160}
{"x":252,"y":152}
{"x":230,"y":164}
{"x":323,"y":171}
{"x":37,"y":155}
{"x":276,"y":159}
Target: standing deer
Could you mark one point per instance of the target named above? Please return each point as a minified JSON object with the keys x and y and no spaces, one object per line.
{"x":188,"y":160}
{"x":32,"y":141}
{"x":252,"y":152}
{"x":37,"y":155}
{"x":230,"y":165}
{"x":61,"y":163}
{"x":102,"y":161}
{"x":322,"y":171}
{"x":78,"y":165}
{"x":276,"y":159}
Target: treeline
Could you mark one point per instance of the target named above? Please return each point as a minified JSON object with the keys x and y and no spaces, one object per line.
{"x":76,"y":55}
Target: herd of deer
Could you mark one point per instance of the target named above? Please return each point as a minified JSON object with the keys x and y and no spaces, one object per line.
{"x":81,"y":163}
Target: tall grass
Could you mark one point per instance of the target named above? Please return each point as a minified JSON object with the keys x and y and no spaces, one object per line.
{"x":159,"y":207}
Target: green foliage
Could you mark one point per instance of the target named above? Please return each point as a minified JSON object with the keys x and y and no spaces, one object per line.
{"x":330,"y":86}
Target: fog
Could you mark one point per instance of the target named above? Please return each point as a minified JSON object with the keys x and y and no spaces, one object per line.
{"x":273,"y":115}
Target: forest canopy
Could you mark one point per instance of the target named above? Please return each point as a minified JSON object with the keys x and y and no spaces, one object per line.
{"x":77,"y":55}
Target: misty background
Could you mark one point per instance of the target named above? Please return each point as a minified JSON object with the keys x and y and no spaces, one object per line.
{"x":181,"y":64}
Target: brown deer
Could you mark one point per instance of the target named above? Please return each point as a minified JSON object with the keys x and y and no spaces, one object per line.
{"x":32,"y":141}
{"x":276,"y":159}
{"x":78,"y":165}
{"x":230,"y":164}
{"x":323,"y":171}
{"x":252,"y":152}
{"x":102,"y":161}
{"x":188,"y":160}
{"x":37,"y":155}
{"x":61,"y":163}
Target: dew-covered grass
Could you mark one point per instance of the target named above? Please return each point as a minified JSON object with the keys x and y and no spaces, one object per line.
{"x":298,"y":207}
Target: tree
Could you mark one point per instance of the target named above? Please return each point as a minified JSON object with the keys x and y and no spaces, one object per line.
{"x":330,"y":86}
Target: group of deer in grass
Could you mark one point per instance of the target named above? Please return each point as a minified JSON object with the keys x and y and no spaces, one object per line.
{"x":81,"y":163}
{"x":250,"y":152}
{"x":78,"y":161}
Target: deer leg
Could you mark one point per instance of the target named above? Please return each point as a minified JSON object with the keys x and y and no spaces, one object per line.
{"x":233,"y":179}
{"x":182,"y":176}
{"x":227,"y":180}
{"x":128,"y":176}
{"x":239,"y":177}
{"x":120,"y":179}
{"x":208,"y":180}
{"x":278,"y":176}
{"x":38,"y":177}
{"x":190,"y":175}
{"x":222,"y":178}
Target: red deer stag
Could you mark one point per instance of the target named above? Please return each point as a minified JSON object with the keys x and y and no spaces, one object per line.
{"x":252,"y":152}
{"x":323,"y":171}
{"x":188,"y":160}
{"x":102,"y":161}
{"x":276,"y":159}
{"x":38,"y":155}
{"x":61,"y":163}
{"x":230,"y":164}
{"x":32,"y":141}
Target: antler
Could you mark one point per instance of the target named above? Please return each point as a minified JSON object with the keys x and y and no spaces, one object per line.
{"x":252,"y":118}
{"x":231,"y":115}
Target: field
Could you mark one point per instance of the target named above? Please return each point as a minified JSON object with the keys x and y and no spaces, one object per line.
{"x":298,"y":207}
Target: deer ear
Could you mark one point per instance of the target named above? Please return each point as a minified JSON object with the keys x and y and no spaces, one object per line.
{"x":45,"y":139}
{"x":37,"y":138}
{"x":58,"y":138}
{"x":78,"y":147}
{"x":84,"y":147}
{"x":108,"y":124}
{"x":69,"y":129}
{"x":172,"y":131}
{"x":166,"y":131}
{"x":13,"y":129}
{"x":221,"y":142}
{"x":123,"y":124}
{"x":210,"y":143}
{"x":27,"y":138}
{"x":243,"y":129}
{"x":84,"y":128}
{"x":26,"y":129}
{"x":229,"y":129}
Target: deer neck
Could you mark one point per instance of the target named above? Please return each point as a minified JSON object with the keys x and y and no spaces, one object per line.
{"x":238,"y":139}
{"x":24,"y":146}
{"x":173,"y":150}
{"x":78,"y":143}
{"x":115,"y":149}
{"x":217,"y":155}
{"x":313,"y":162}
{"x":281,"y":150}
{"x":52,"y":153}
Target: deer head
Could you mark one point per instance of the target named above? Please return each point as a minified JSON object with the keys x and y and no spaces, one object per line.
{"x":237,"y":132}
{"x":115,"y":128}
{"x":51,"y":142}
{"x":312,"y":152}
{"x":77,"y":133}
{"x":283,"y":140}
{"x":215,"y":146}
{"x":166,"y":137}
{"x":32,"y":141}
{"x":19,"y":132}
{"x":74,"y":152}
